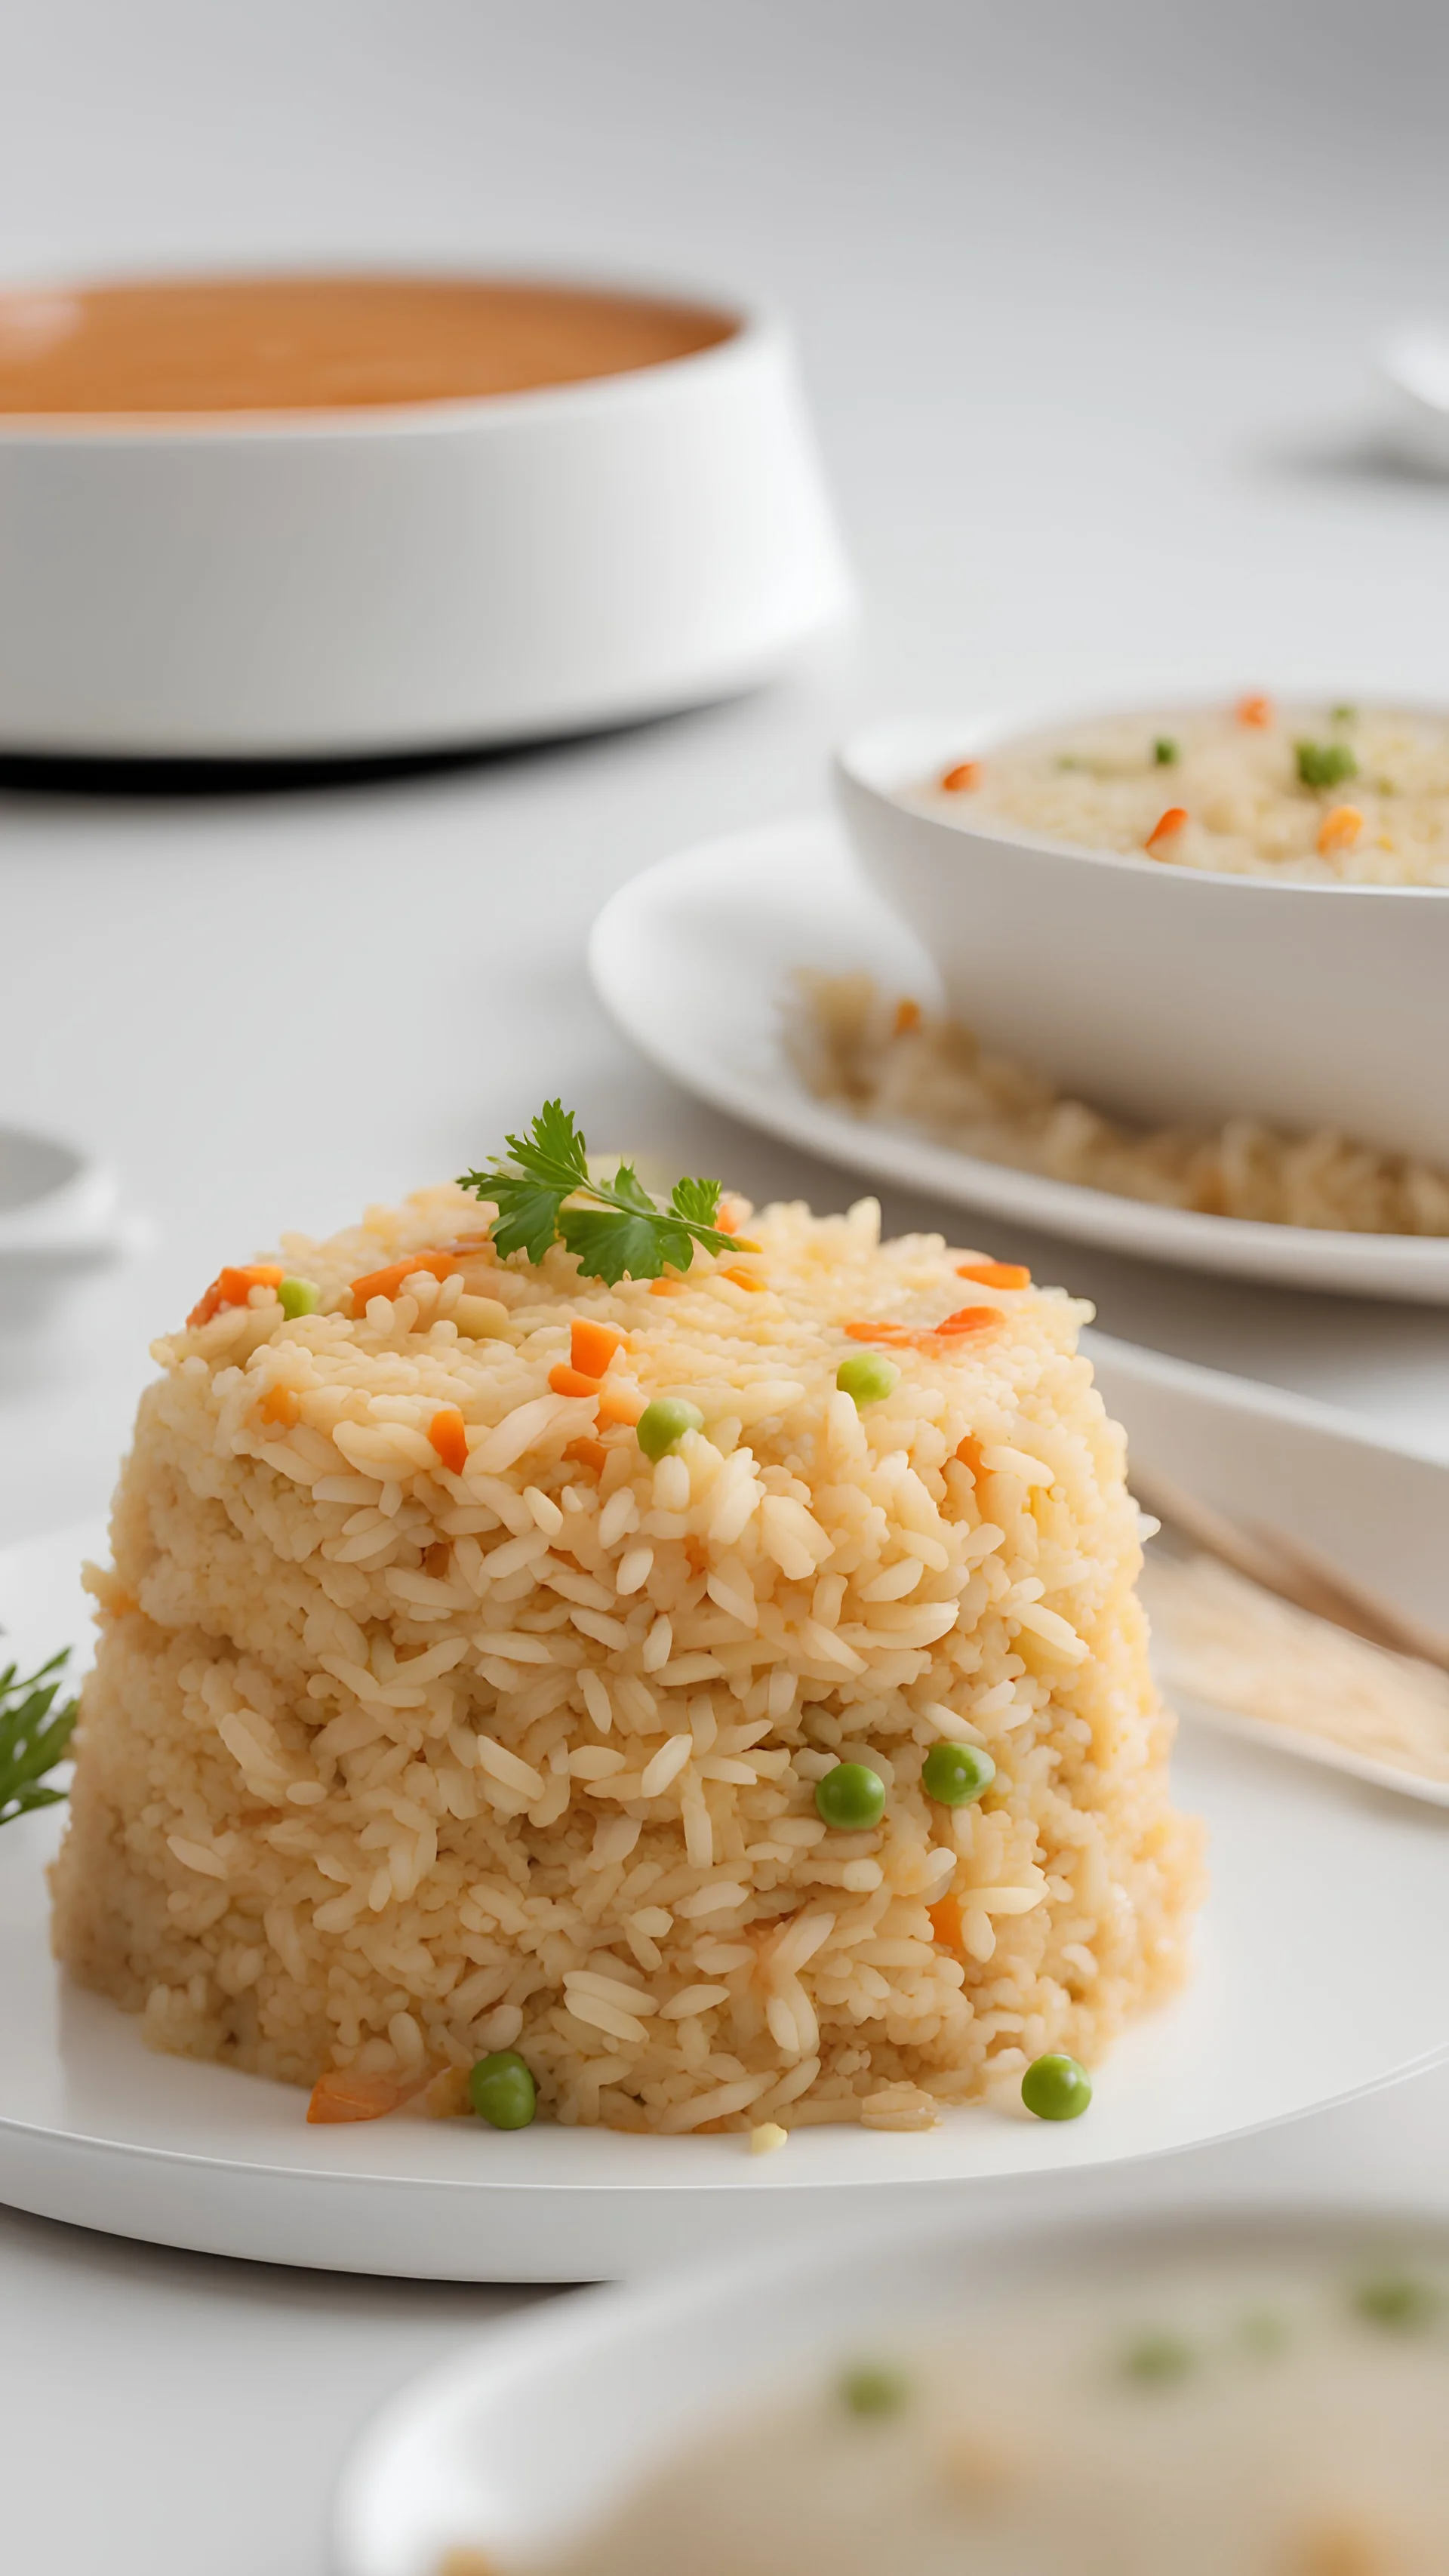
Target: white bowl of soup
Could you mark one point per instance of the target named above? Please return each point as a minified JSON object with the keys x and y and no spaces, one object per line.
{"x":1227,"y":2396}
{"x":1187,"y":914}
{"x":354,"y":513}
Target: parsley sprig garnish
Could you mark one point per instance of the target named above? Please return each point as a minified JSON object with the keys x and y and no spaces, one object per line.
{"x":33,"y":1735}
{"x":620,"y":1233}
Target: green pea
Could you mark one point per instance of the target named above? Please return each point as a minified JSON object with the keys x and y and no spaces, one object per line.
{"x":851,"y":1798}
{"x":1324,"y":764}
{"x":1166,"y":751}
{"x":502,"y":2091}
{"x":1343,"y":715}
{"x":1155,"y":2360}
{"x":298,"y":1297}
{"x":1056,"y":2088}
{"x":866,"y":1377}
{"x":954,"y":1774}
{"x":874,"y":2388}
{"x":663,"y":1424}
{"x":1398,"y":2302}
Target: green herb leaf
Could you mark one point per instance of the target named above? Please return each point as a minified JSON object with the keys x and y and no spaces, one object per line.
{"x":33,"y":1736}
{"x":545,"y":1193}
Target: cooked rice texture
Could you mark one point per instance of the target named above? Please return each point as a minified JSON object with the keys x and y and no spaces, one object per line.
{"x":892,"y":1062}
{"x":1100,"y":786}
{"x":382,"y":1765}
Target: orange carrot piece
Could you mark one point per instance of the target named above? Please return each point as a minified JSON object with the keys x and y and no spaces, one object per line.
{"x":908,"y":1017}
{"x":233,"y":1287}
{"x":281,"y":1404}
{"x":448,"y":1434}
{"x":964,"y":775}
{"x":345,"y":2094}
{"x":969,"y":1319}
{"x":571,"y":1381}
{"x":1166,"y":828}
{"x":665,"y":1287}
{"x":994,"y":1274}
{"x":589,"y":1453}
{"x":1339,"y":829}
{"x":969,"y":1453}
{"x":620,"y":1401}
{"x":877,"y":1332}
{"x":386,"y":1283}
{"x":946,"y":1922}
{"x":1255,"y":712}
{"x":744,"y":1278}
{"x":592,"y":1346}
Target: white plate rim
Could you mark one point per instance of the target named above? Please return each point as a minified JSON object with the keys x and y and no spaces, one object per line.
{"x":1410,"y":1268}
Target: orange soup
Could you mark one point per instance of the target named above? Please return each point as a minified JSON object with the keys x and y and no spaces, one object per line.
{"x":280,"y":344}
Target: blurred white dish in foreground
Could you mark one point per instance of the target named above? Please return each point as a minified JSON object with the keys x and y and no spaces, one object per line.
{"x":60,"y":1216}
{"x":1160,"y":993}
{"x":694,"y":958}
{"x":1046,"y":2397}
{"x":1318,"y":1978}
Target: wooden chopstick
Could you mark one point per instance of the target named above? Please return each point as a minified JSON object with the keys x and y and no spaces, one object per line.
{"x":1286,"y":1567}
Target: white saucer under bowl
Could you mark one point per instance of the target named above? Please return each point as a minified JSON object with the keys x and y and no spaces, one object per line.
{"x":1319,"y":1978}
{"x":694,"y":959}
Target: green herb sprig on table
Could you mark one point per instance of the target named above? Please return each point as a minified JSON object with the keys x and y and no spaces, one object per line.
{"x":619,"y":1233}
{"x":34,"y":1734}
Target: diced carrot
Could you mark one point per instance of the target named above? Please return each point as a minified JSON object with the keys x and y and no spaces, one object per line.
{"x":592,"y":1346}
{"x":969,"y":1319}
{"x":969,"y":1453}
{"x":994,"y":1274}
{"x":589,"y":1453}
{"x":877,"y":1332}
{"x":386,"y":1283}
{"x":448,"y":1434}
{"x":946,"y":1922}
{"x":964,"y":775}
{"x":1339,"y":829}
{"x":665,"y":1287}
{"x":233,"y":1287}
{"x":345,"y":2094}
{"x":1166,"y":828}
{"x":620,"y":1400}
{"x":281,"y":1404}
{"x":571,"y":1381}
{"x":1256,"y":712}
{"x":744,"y":1278}
{"x":908,"y":1017}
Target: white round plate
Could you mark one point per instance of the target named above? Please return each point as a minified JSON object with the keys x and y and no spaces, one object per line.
{"x":471,"y":2453}
{"x":694,"y":958}
{"x":1320,"y":1977}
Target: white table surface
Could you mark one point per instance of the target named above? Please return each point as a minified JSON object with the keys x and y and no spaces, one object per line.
{"x":1087,"y":313}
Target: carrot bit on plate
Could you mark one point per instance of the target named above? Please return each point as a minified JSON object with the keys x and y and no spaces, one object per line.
{"x":386,"y":1283}
{"x":588,"y":1453}
{"x":448,"y":1434}
{"x":281,"y":1404}
{"x":968,"y":1319}
{"x":862,"y":1332}
{"x":908,"y":1016}
{"x":946,"y":1922}
{"x":744,"y":1278}
{"x":592,"y":1346}
{"x":964,"y":775}
{"x":345,"y":2094}
{"x":571,"y":1381}
{"x":1339,"y":829}
{"x":994,"y":1274}
{"x":1166,"y":828}
{"x":969,"y":1453}
{"x":233,"y":1287}
{"x":1255,"y":712}
{"x":665,"y":1287}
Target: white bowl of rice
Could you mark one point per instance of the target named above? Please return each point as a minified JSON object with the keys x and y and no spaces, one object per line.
{"x":1192,"y":913}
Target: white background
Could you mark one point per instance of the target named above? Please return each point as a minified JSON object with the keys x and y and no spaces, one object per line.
{"x":1088,"y":298}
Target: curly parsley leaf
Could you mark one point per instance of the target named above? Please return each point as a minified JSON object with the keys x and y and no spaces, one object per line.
{"x":33,"y":1736}
{"x":545,"y":1193}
